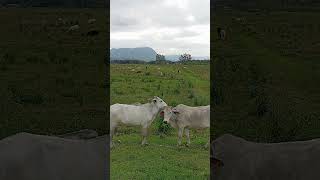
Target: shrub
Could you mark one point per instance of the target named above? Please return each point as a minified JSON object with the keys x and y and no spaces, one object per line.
{"x":191,"y":94}
{"x":161,"y":127}
{"x":176,"y":91}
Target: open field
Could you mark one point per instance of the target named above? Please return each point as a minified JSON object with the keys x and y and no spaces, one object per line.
{"x":52,"y":82}
{"x":162,"y":159}
{"x":266,"y":75}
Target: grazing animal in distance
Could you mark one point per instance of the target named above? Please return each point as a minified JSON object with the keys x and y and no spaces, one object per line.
{"x":221,"y":33}
{"x":91,"y":21}
{"x":73,"y":28}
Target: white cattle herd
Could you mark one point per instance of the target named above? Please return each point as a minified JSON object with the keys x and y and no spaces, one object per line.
{"x":182,"y":117}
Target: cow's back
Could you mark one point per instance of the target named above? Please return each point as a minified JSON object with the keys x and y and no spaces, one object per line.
{"x":129,"y":114}
{"x":195,"y":117}
{"x":34,"y":157}
{"x":261,"y":161}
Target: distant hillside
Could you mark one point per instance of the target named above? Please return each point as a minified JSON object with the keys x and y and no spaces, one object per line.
{"x":140,"y":53}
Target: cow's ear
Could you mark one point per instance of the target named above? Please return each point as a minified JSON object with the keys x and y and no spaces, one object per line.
{"x":216,"y":162}
{"x":175,"y":111}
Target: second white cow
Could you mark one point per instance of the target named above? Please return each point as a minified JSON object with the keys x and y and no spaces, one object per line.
{"x":135,"y":115}
{"x":184,"y":117}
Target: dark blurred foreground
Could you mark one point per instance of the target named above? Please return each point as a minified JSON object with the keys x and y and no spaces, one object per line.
{"x":80,"y":155}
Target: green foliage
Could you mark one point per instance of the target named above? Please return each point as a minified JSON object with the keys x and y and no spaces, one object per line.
{"x":263,"y":87}
{"x":161,"y":127}
{"x":42,"y":78}
{"x":161,"y":158}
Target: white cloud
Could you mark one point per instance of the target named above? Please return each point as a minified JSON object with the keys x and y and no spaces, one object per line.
{"x":190,"y":18}
{"x":168,"y":26}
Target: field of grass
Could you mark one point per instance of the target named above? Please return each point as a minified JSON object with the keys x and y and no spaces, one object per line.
{"x":162,"y":159}
{"x":52,"y":82}
{"x":266,"y":76}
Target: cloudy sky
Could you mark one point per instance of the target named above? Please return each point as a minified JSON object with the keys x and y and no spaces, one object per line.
{"x":168,"y":26}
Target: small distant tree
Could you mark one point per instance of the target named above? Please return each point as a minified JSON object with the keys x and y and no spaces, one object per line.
{"x":160,"y":57}
{"x":185,"y":57}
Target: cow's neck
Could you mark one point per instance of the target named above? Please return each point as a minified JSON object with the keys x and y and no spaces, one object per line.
{"x":153,"y":109}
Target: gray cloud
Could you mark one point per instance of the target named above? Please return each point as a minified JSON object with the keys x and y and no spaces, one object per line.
{"x":168,"y":26}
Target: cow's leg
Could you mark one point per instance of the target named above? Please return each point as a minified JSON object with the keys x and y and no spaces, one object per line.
{"x":180,"y":134}
{"x":207,"y":145}
{"x":144,"y":132}
{"x":187,"y":132}
{"x":113,"y":127}
{"x":111,"y":135}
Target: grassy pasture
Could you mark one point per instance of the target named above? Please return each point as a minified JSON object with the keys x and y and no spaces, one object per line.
{"x":266,"y":76}
{"x":52,"y":82}
{"x":162,"y":159}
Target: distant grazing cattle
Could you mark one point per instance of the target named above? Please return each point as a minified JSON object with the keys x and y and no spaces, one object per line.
{"x":185,"y":117}
{"x":135,"y":115}
{"x":221,"y":33}
{"x":92,"y":33}
{"x":37,"y":157}
{"x":91,"y":21}
{"x":235,"y":158}
{"x":73,"y":28}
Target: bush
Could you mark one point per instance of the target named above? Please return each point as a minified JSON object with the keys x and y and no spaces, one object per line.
{"x":162,"y":128}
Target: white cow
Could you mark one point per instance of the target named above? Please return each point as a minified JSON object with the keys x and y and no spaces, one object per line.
{"x":90,"y":21}
{"x":37,"y":157}
{"x":223,"y":34}
{"x":184,"y":117}
{"x":73,"y":28}
{"x":236,"y":158}
{"x":136,"y":115}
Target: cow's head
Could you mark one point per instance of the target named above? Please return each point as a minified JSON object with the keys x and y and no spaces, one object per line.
{"x":158,"y":102}
{"x":216,"y":163}
{"x":169,"y":114}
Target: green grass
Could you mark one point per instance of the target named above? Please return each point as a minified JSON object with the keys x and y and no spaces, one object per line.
{"x":51,"y":82}
{"x":162,"y":159}
{"x":266,"y":76}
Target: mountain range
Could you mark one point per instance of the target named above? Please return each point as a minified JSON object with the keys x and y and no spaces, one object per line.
{"x":139,"y":53}
{"x":143,"y":53}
